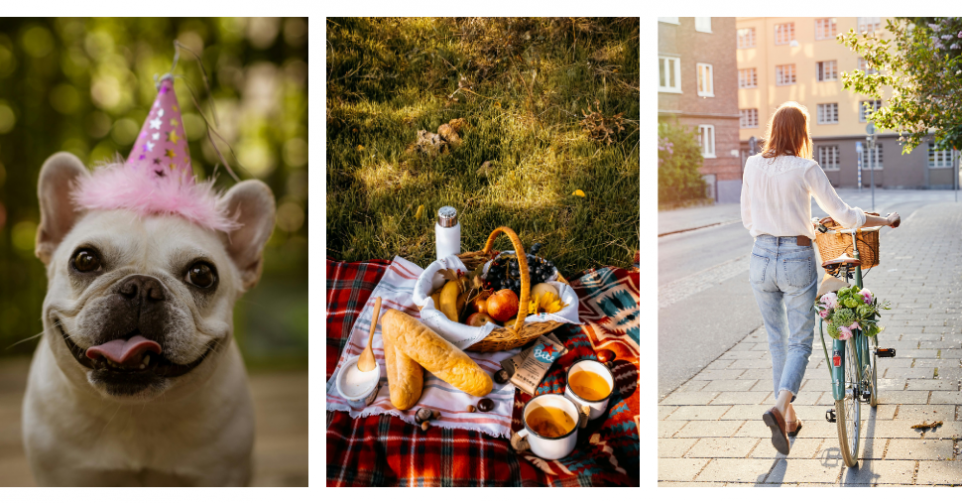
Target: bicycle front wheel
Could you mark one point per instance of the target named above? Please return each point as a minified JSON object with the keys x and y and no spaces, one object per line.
{"x":848,"y":411}
{"x":873,"y":372}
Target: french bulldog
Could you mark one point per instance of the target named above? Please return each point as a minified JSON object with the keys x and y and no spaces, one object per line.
{"x":137,"y":379}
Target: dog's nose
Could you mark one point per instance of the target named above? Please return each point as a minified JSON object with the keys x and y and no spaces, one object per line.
{"x":142,"y":288}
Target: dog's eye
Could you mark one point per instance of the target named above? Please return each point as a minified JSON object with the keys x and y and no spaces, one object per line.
{"x":87,"y":260}
{"x":201,"y":275}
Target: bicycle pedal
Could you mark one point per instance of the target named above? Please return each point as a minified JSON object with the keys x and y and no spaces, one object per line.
{"x":885,"y":352}
{"x":830,"y":415}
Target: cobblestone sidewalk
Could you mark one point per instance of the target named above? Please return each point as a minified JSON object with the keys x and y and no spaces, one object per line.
{"x":710,"y":429}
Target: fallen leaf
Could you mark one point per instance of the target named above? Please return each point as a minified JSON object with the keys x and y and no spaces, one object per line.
{"x":360,"y":148}
{"x":417,"y":216}
{"x":933,"y":424}
{"x":450,"y":274}
{"x":578,"y":193}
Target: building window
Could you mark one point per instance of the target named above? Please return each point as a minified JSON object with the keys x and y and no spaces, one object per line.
{"x":703,"y":24}
{"x":872,"y":155}
{"x":826,"y":71}
{"x":784,"y":33}
{"x":746,"y":38}
{"x":828,"y":113}
{"x":747,"y":78}
{"x":669,"y":20}
{"x":669,"y":74}
{"x":785,"y":75}
{"x":865,"y":108}
{"x":706,"y":138}
{"x":869,"y":24}
{"x":706,"y":85}
{"x":828,"y":157}
{"x":939,"y":158}
{"x":863,"y":65}
{"x":748,"y":118}
{"x":825,"y":28}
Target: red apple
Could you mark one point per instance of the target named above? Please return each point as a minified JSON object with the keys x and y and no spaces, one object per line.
{"x":502,"y":305}
{"x":479,"y":319}
{"x":480,"y":303}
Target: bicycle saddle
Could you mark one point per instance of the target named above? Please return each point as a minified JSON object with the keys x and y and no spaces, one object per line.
{"x":842,"y":259}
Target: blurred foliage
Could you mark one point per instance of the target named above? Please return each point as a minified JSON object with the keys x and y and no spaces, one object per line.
{"x":86,"y":85}
{"x":550,"y":107}
{"x":679,"y":158}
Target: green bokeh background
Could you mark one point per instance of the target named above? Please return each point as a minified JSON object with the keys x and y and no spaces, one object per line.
{"x":86,"y":85}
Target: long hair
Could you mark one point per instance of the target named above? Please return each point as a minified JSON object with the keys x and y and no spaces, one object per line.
{"x":788,"y":132}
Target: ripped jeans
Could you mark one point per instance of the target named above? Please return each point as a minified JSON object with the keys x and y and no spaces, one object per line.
{"x":784,"y":277}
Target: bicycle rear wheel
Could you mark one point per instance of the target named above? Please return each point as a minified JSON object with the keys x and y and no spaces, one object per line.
{"x":848,"y":411}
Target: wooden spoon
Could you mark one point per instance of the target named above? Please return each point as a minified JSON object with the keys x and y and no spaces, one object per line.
{"x":366,"y":362}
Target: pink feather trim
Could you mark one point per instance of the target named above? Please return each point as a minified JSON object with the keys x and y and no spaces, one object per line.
{"x":119,"y":186}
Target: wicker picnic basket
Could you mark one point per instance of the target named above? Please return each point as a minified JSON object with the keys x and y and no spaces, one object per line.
{"x":504,"y":338}
{"x":832,"y":245}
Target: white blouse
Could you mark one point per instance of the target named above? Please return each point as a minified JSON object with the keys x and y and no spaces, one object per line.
{"x":777,"y":197}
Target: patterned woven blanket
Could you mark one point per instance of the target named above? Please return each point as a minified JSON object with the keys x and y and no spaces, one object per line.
{"x":385,"y":451}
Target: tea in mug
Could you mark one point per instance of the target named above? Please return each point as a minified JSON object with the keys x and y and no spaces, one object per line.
{"x":550,"y":422}
{"x":589,"y":385}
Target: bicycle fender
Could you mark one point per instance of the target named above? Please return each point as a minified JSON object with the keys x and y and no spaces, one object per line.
{"x":837,"y":367}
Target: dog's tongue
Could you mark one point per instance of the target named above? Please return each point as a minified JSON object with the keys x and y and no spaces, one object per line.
{"x":121,"y":351}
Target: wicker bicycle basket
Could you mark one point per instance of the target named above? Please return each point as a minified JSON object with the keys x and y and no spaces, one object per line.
{"x":509,"y":337}
{"x":832,"y":245}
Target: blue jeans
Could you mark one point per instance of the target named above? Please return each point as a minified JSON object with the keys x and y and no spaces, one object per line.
{"x":784,"y":277}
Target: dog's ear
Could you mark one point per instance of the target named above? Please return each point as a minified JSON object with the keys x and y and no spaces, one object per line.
{"x":252,"y":202}
{"x":57,"y":212}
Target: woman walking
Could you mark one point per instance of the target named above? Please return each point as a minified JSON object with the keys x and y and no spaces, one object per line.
{"x":777,"y":191}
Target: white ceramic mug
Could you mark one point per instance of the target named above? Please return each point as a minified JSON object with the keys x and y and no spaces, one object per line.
{"x":551,"y":448}
{"x":598,"y":407}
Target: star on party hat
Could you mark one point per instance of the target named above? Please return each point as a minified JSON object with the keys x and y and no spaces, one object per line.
{"x":161,"y":146}
{"x":157,"y":177}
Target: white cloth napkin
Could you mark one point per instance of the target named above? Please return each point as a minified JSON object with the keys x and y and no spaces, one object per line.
{"x":395,"y":290}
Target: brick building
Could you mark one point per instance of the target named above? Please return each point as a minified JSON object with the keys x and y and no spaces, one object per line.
{"x":799,"y":59}
{"x":698,"y":87}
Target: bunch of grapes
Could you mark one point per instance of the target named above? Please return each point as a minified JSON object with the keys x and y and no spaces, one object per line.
{"x":505,"y":273}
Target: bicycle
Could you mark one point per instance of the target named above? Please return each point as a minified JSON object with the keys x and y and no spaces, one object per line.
{"x":854,"y":379}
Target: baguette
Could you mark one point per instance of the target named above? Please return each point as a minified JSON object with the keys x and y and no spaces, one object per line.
{"x":405,"y":378}
{"x":434,"y":353}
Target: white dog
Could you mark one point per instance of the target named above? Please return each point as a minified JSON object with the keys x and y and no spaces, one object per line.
{"x":137,"y":380}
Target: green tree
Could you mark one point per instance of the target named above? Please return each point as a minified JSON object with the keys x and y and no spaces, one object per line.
{"x":679,"y":158}
{"x":922,"y":63}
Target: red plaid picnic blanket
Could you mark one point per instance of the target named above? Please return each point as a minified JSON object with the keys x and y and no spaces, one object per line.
{"x":385,"y":451}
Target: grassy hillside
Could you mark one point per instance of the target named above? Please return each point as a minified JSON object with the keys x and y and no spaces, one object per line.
{"x":522,"y":86}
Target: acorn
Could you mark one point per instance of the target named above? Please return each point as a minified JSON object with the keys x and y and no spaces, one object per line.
{"x":423,"y":415}
{"x":471,"y":408}
{"x":425,"y":425}
{"x":437,"y":414}
{"x":606,"y":355}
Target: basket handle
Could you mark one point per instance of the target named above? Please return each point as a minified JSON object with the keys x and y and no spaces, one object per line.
{"x":522,"y":268}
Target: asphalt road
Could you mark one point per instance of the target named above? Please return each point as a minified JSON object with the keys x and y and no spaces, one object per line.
{"x":705,"y":302}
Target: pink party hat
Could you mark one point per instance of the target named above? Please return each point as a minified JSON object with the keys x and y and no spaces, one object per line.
{"x":157,"y":177}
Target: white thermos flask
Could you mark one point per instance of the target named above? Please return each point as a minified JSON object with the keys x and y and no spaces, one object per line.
{"x":447,"y":232}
